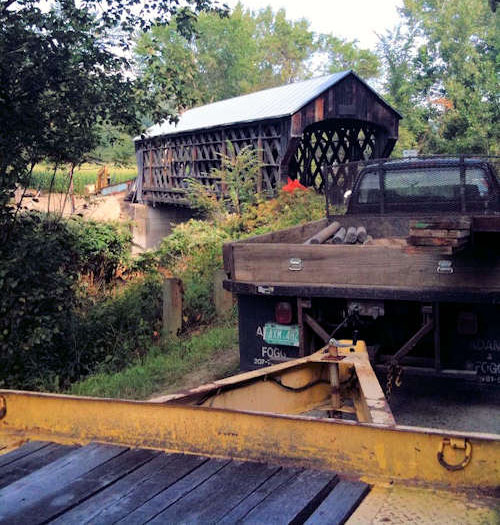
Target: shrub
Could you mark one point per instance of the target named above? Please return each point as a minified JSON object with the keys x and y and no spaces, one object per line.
{"x":117,"y":329}
{"x":47,"y":325}
{"x":38,"y":275}
{"x":193,"y":252}
{"x":102,"y":247}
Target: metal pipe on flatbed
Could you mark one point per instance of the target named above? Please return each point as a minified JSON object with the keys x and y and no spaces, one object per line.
{"x":339,"y":237}
{"x":324,"y":234}
{"x":351,"y":236}
{"x":361,"y":234}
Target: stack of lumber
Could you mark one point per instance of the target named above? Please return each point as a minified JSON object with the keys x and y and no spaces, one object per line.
{"x":441,"y":235}
{"x":335,"y":233}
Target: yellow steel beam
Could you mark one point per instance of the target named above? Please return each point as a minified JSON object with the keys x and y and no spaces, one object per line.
{"x":373,"y":451}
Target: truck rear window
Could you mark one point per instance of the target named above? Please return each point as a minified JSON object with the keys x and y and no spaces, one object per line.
{"x":426,"y":184}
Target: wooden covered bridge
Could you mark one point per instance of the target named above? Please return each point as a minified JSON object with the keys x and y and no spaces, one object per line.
{"x":297,"y":129}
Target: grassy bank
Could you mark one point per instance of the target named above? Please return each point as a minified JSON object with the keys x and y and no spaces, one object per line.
{"x":83,"y":175}
{"x":164,"y":367}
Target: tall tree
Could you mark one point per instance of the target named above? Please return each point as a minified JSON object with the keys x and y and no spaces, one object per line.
{"x":343,"y":54}
{"x":228,"y":56}
{"x":444,"y":68}
{"x":61,"y":76}
{"x":244,"y":52}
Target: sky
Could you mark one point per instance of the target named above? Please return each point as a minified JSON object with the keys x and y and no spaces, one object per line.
{"x":351,"y":19}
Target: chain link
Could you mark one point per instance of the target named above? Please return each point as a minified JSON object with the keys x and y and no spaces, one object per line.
{"x":393,"y":370}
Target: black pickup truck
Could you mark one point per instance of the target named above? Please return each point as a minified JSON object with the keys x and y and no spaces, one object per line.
{"x":422,"y":290}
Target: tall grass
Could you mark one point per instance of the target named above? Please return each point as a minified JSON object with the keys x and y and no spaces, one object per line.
{"x":83,"y":175}
{"x":161,"y":367}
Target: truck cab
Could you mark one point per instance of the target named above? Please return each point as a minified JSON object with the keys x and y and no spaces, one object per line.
{"x":427,"y":185}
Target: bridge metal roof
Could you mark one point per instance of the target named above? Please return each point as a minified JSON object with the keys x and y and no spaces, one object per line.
{"x":262,"y":105}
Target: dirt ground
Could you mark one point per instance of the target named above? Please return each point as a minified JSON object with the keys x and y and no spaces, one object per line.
{"x":99,"y":208}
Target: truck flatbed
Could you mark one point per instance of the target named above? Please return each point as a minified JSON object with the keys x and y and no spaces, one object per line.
{"x":100,"y":483}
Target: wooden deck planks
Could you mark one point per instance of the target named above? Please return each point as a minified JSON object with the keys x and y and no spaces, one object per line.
{"x":164,"y":499}
{"x":24,"y":450}
{"x":225,"y":489}
{"x":27,"y":464}
{"x":86,"y":486}
{"x":275,"y":483}
{"x":17,"y":498}
{"x":101,"y":484}
{"x":339,"y":504}
{"x":294,"y":502}
{"x":133,"y":490}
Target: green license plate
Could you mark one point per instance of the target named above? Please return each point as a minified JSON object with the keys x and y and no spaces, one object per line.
{"x":280,"y":334}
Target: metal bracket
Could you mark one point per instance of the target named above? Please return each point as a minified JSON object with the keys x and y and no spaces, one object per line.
{"x":444,"y":267}
{"x":457,"y":444}
{"x":295,"y":264}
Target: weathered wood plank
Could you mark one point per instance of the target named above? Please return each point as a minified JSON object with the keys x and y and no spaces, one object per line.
{"x":223,"y":491}
{"x":28,"y":464}
{"x":132,"y":491}
{"x":339,"y":504}
{"x":83,"y":487}
{"x":360,"y":265}
{"x":294,"y":502}
{"x":436,"y":241}
{"x":296,"y":234}
{"x":24,"y":450}
{"x":25,"y":492}
{"x":172,"y":306}
{"x":274,"y":483}
{"x":173,"y":493}
{"x":447,"y":234}
{"x":442,"y":223}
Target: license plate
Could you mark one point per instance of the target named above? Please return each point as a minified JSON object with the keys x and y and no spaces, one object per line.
{"x":280,"y":334}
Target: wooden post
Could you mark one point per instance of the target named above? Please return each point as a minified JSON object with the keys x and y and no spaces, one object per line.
{"x":222,"y":298}
{"x":172,"y":307}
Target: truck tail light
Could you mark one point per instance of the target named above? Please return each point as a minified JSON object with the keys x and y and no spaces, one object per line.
{"x":283,"y":312}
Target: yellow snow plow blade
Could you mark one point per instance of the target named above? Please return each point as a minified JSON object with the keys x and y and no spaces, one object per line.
{"x":284,"y":413}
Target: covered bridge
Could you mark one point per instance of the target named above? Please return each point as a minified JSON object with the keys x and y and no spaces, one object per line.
{"x":297,"y":128}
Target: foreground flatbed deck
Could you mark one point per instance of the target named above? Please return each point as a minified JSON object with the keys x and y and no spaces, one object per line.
{"x":100,"y":483}
{"x":43,"y":482}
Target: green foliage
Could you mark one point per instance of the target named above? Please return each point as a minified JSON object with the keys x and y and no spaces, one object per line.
{"x":241,"y":53}
{"x":102,"y":246}
{"x":342,"y":55}
{"x":47,"y":330}
{"x":160,"y":369}
{"x":193,"y":252}
{"x":441,"y":66}
{"x":237,"y":181}
{"x":63,"y":79}
{"x":38,"y":274}
{"x":117,"y":329}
